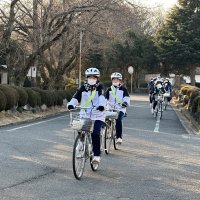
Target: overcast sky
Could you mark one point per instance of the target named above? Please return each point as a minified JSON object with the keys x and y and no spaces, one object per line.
{"x":166,"y":4}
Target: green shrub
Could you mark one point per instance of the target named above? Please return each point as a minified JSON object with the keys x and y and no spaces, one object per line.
{"x":42,"y":93}
{"x":23,"y":96}
{"x":34,"y":98}
{"x":12,"y":96}
{"x":184,"y":90}
{"x":185,"y":100}
{"x":70,"y":92}
{"x":52,"y":98}
{"x":193,"y":96}
{"x":48,"y":97}
{"x":59,"y":97}
{"x":2,"y":101}
{"x":197,"y":85}
{"x":196,"y":104}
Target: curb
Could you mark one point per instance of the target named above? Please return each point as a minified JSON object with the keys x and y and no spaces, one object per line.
{"x":34,"y":119}
{"x":190,"y":125}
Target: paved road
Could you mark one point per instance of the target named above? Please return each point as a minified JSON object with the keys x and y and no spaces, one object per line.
{"x":158,"y":160}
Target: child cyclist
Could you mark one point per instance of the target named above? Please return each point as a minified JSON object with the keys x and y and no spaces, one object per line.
{"x":91,"y":96}
{"x":118,"y":99}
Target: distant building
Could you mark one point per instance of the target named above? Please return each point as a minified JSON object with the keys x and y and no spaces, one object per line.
{"x":3,"y":74}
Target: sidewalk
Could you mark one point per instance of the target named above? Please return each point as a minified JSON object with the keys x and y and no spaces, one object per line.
{"x":189,"y":123}
{"x":8,"y":118}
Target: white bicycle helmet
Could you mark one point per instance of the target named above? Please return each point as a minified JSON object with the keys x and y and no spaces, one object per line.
{"x":116,"y":75}
{"x":92,"y":72}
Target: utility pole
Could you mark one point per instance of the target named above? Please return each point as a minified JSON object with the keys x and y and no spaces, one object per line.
{"x":80,"y":57}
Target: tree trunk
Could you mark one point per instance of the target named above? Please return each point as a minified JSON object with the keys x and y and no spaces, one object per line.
{"x":6,"y":40}
{"x":192,"y":75}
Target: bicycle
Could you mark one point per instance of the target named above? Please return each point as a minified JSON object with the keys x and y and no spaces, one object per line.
{"x":110,"y":131}
{"x":159,"y":106}
{"x":166,"y":102}
{"x":82,"y":148}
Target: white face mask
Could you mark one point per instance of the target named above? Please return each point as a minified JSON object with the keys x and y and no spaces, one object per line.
{"x":92,"y":81}
{"x":115,"y":83}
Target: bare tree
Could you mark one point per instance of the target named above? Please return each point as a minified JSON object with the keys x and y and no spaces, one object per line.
{"x":48,"y":31}
{"x":6,"y":39}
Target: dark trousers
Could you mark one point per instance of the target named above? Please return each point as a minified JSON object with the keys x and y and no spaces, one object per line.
{"x":150,"y":97}
{"x":155,"y":104}
{"x":119,"y":124}
{"x":96,"y":137}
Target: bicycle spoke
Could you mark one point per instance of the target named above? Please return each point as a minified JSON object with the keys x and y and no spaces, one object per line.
{"x":79,"y":158}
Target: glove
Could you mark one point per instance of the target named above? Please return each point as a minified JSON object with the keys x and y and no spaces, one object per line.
{"x":124,"y":104}
{"x":70,"y":107}
{"x":100,"y":108}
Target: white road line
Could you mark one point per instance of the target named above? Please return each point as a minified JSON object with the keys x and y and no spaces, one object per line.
{"x":33,"y":124}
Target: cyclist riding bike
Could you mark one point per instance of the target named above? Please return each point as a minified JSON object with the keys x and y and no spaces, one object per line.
{"x":168,"y":89}
{"x":151,"y":90}
{"x":158,"y":89}
{"x":91,"y":95}
{"x":118,"y":99}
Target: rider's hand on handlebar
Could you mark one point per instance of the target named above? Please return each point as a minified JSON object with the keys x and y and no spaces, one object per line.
{"x":100,"y":108}
{"x":124,"y":104}
{"x":70,"y":107}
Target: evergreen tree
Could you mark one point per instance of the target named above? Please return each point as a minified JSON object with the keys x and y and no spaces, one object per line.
{"x":178,"y":40}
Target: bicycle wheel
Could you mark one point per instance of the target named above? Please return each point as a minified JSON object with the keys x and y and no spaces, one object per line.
{"x":155,"y":114}
{"x":114,"y":136}
{"x":165,"y":103}
{"x":108,"y":139}
{"x":79,"y":158}
{"x":161,"y":110}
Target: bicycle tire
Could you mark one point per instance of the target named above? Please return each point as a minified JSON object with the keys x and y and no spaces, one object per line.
{"x":114,"y":137}
{"x":161,"y":111}
{"x":108,"y":137}
{"x":165,"y":103}
{"x":78,"y":162}
{"x":156,"y":113}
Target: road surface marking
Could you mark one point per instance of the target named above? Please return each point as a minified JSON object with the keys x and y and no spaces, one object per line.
{"x":33,"y":124}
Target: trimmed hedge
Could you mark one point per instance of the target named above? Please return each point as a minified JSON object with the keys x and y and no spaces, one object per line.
{"x":190,"y":96}
{"x":12,"y":96}
{"x":34,"y":98}
{"x":23,"y":96}
{"x":2,"y":101}
{"x":196,"y":104}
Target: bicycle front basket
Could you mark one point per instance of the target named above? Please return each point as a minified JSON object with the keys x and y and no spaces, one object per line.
{"x":111,"y":115}
{"x":81,"y":124}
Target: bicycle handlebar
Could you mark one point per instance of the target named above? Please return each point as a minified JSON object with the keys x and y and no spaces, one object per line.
{"x":80,"y":107}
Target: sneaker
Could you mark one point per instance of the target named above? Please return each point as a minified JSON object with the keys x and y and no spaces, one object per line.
{"x":96,"y":159}
{"x":119,"y":140}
